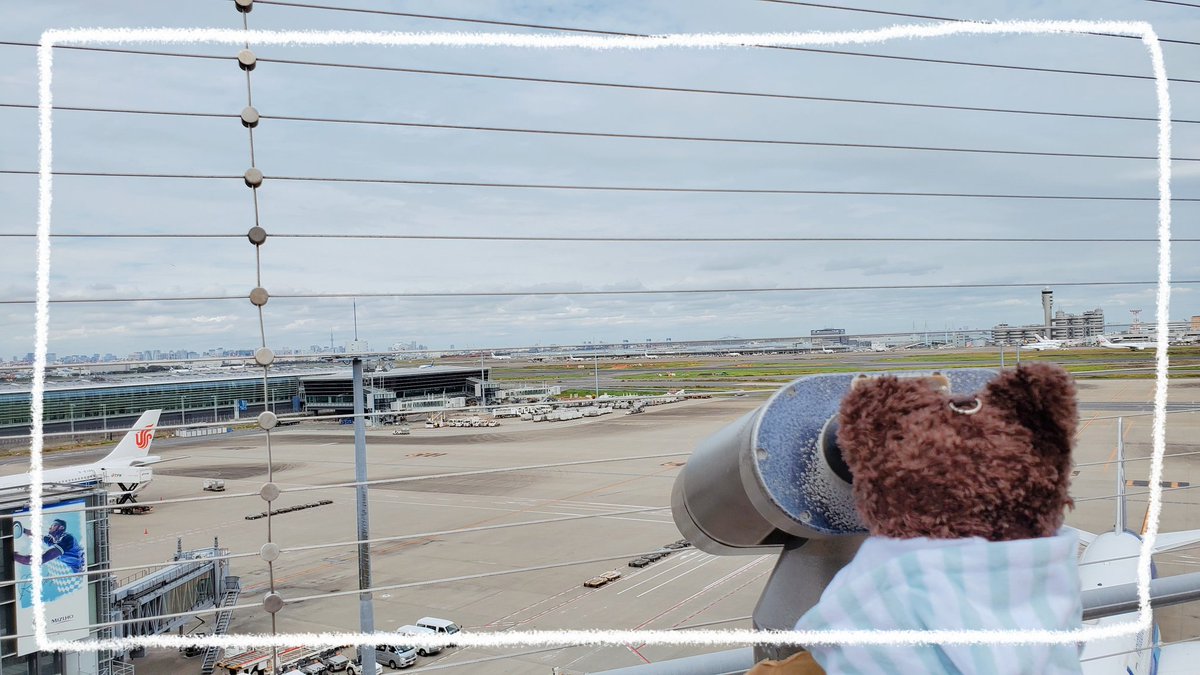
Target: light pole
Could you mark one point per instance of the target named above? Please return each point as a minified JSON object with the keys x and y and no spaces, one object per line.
{"x":72,"y":405}
{"x":366,"y":610}
{"x":182,"y":412}
{"x":214,"y":408}
{"x":596,"y":371}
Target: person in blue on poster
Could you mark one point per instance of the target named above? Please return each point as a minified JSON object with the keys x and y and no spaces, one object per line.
{"x":63,"y":555}
{"x":60,"y":545}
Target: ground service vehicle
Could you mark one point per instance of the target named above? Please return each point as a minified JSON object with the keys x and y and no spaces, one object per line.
{"x":260,"y":661}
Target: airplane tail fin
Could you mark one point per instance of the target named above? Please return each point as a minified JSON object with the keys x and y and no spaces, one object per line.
{"x":136,"y":443}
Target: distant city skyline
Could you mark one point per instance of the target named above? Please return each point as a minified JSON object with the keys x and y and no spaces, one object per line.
{"x":185,"y":354}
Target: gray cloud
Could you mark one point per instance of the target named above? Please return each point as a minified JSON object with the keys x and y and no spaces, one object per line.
{"x":139,"y":267}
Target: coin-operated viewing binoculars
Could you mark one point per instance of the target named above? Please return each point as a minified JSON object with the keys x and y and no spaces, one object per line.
{"x":774,"y":481}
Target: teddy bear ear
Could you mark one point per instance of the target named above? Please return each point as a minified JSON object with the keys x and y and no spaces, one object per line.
{"x":870,"y":412}
{"x":1041,"y":396}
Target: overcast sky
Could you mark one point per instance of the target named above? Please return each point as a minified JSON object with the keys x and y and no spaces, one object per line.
{"x":120,"y":268}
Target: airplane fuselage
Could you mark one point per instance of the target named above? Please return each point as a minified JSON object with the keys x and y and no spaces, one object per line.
{"x":1111,"y":560}
{"x":86,"y":475}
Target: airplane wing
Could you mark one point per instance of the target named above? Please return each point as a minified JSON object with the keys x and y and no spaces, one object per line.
{"x":1169,"y":541}
{"x":1178,"y":659}
{"x":1163,"y":543}
{"x":155,"y":459}
{"x":1085,"y":537}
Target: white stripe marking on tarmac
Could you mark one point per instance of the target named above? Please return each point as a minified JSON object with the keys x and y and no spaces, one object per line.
{"x":682,"y":574}
{"x":682,"y":560}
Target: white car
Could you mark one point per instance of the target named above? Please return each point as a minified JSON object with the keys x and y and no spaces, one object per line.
{"x":356,"y":669}
{"x":420,"y":630}
{"x":440,"y":626}
{"x":395,"y":656}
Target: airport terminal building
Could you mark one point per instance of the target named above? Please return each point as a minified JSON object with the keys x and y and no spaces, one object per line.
{"x":77,"y":407}
{"x":333,"y":393}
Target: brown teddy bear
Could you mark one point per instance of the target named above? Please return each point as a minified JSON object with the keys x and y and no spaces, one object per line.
{"x":930,"y":464}
{"x":963,"y":496}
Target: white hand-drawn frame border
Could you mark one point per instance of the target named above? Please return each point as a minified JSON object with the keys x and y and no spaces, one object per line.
{"x":1139,"y":29}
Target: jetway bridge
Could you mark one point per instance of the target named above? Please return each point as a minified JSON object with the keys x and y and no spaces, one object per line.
{"x":196,"y":580}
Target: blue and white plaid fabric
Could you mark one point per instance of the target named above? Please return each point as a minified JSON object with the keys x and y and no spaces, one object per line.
{"x":52,"y":589}
{"x":953,"y":584}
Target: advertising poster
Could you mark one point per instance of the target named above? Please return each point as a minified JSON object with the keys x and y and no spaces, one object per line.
{"x":62,"y":548}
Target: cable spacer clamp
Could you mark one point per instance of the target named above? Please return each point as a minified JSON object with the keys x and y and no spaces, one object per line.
{"x":259,"y":296}
{"x":257,"y":235}
{"x":246,"y":59}
{"x":249,"y":117}
{"x":269,"y":492}
{"x":272,"y":602}
{"x":269,"y":551}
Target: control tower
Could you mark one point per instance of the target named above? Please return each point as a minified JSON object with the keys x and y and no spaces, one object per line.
{"x":1047,"y":310}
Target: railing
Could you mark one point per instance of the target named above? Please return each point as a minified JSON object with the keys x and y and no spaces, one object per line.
{"x":233,"y":590}
{"x":1097,"y":603}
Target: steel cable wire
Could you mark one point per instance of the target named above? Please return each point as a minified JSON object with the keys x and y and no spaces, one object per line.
{"x":610,"y":292}
{"x":714,"y":92}
{"x":515,"y":24}
{"x":613,"y":188}
{"x":891,"y":57}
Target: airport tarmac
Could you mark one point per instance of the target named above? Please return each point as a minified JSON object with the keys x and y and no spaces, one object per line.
{"x":473,"y":577}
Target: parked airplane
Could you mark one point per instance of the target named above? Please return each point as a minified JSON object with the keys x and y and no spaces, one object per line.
{"x":127,"y":466}
{"x":1111,"y":559}
{"x":1135,"y":345}
{"x":1042,"y":344}
{"x":648,"y":355}
{"x":501,"y":357}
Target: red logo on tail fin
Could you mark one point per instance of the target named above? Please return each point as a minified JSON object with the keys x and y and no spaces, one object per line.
{"x":142,"y":440}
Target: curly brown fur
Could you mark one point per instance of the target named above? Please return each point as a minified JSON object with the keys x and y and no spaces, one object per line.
{"x":923,"y":470}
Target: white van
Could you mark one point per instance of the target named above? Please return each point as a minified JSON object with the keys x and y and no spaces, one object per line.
{"x":418,"y":630}
{"x":442,"y":626}
{"x":395,"y":656}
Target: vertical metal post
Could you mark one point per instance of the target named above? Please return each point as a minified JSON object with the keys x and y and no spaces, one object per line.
{"x":366,"y":612}
{"x":482,"y":383}
{"x":182,"y":412}
{"x":1120,"y":525}
{"x":215,"y":420}
{"x":596,"y":370}
{"x":1018,"y":353}
{"x":72,"y":421}
{"x":1001,"y":356}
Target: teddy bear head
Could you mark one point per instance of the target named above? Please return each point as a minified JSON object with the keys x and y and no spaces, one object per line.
{"x":995,"y":464}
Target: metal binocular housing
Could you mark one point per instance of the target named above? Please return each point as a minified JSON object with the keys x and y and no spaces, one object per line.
{"x":774,"y":482}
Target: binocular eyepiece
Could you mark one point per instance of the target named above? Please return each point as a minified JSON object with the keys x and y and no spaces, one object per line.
{"x":776,"y":475}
